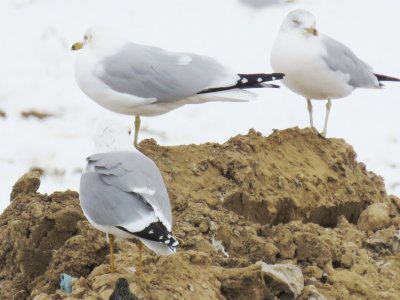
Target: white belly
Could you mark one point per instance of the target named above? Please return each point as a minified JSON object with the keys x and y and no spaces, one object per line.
{"x":103,"y":95}
{"x":306,"y":72}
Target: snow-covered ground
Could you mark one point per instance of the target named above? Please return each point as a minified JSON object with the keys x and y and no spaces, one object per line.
{"x":36,"y":72}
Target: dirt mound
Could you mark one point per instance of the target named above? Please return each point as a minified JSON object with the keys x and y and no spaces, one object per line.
{"x":290,"y":175}
{"x":287,"y":216}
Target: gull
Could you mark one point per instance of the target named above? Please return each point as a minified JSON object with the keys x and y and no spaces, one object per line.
{"x":122,"y":193}
{"x":259,"y":4}
{"x":140,"y":80}
{"x":317,"y":66}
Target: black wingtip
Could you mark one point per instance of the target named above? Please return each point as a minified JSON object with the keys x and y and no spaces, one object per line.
{"x":254,"y":79}
{"x":250,"y":81}
{"x":278,"y":76}
{"x":155,"y":232}
{"x":381,"y":77}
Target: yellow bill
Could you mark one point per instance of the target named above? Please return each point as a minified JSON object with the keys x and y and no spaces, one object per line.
{"x":312,"y":30}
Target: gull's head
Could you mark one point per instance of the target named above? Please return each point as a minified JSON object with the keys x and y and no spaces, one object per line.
{"x":113,"y":136}
{"x":300,"y":21}
{"x":99,"y":38}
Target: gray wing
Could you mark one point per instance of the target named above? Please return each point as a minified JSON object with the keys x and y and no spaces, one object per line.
{"x":108,"y":205}
{"x":150,"y":72}
{"x":341,"y":58}
{"x":124,"y":186}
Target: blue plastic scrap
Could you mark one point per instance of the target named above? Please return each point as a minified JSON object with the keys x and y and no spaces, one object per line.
{"x":66,"y":282}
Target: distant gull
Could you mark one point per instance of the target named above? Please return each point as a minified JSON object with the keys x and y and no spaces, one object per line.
{"x":140,"y":80}
{"x":123,"y":194}
{"x":258,"y":4}
{"x":317,"y":66}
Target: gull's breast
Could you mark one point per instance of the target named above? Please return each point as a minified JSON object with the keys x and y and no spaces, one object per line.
{"x":307,"y":74}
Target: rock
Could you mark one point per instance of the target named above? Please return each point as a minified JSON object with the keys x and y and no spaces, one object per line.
{"x":225,"y":236}
{"x":204,"y":226}
{"x":78,"y":293}
{"x":311,"y":293}
{"x":375,"y":217}
{"x":312,"y":271}
{"x":243,"y":283}
{"x":283,"y":239}
{"x":287,"y":280}
{"x":384,"y":242}
{"x":91,"y":297}
{"x":42,"y":296}
{"x":356,"y":286}
{"x":261,"y":281}
{"x":105,"y":280}
{"x":28,"y":183}
{"x":347,"y":260}
{"x":312,"y":249}
{"x":199,"y":258}
{"x":259,"y":249}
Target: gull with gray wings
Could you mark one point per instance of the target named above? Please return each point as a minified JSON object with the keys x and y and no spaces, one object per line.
{"x":318,"y":67}
{"x":140,"y":80}
{"x":122,"y":193}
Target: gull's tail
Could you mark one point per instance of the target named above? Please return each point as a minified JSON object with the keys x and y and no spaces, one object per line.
{"x":157,"y":233}
{"x":385,"y":78}
{"x":249,"y":81}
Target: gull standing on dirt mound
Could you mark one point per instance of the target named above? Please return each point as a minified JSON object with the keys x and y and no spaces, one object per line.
{"x":317,"y":66}
{"x":123,"y":194}
{"x":140,"y":80}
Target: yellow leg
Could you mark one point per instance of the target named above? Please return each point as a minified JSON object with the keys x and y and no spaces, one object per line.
{"x":137,"y":127}
{"x":112,"y":243}
{"x":140,"y":258}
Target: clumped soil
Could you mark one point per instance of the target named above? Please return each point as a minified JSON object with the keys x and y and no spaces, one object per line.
{"x":288,"y":216}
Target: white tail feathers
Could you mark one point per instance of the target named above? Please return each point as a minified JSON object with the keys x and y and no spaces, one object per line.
{"x":235,"y":95}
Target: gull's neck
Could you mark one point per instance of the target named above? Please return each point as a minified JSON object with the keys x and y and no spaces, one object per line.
{"x":105,"y":48}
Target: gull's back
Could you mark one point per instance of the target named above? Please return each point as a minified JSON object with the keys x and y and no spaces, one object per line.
{"x":122,"y":187}
{"x":150,"y":72}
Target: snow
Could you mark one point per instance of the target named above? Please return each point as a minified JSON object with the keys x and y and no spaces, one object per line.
{"x":36,"y":72}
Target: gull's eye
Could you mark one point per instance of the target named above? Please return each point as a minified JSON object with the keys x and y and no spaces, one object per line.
{"x":85,"y":37}
{"x":129,"y":132}
{"x":296,"y":22}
